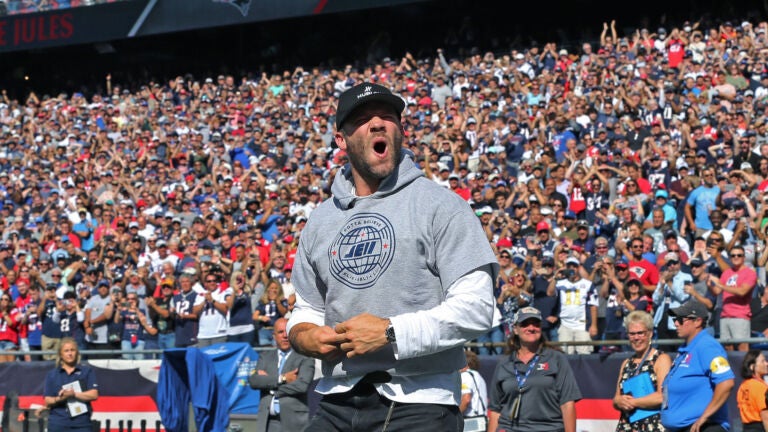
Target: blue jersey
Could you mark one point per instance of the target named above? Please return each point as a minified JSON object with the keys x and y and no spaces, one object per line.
{"x":270,"y":310}
{"x":186,"y":329}
{"x":690,"y":384}
{"x":34,"y":325}
{"x":240,"y":314}
{"x":703,"y":199}
{"x":131,"y":325}
{"x":51,"y":328}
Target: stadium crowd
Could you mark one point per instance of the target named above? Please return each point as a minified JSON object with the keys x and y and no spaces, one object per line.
{"x":626,"y":174}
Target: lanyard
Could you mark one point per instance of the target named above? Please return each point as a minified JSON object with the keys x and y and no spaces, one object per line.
{"x":522,"y":380}
{"x":642,"y":360}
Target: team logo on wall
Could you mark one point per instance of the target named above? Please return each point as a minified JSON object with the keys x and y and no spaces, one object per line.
{"x":362,"y":250}
{"x":241,"y":5}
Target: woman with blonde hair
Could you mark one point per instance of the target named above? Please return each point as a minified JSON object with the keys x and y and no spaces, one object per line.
{"x":272,"y":305}
{"x":69,"y":387}
{"x":640,"y":412}
{"x":515,"y":294}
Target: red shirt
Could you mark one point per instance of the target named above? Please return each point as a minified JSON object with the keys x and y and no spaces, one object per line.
{"x":644,"y":271}
{"x":21,"y":303}
{"x":10,"y":332}
{"x":578,"y":202}
{"x":676,"y":52}
{"x":736,"y":306}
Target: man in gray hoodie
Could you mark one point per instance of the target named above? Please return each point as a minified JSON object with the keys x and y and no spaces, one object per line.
{"x":393,"y":275}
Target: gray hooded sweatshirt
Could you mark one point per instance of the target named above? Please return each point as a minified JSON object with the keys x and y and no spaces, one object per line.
{"x":394,"y":253}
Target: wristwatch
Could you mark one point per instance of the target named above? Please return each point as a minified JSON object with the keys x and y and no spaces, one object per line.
{"x":390,"y":334}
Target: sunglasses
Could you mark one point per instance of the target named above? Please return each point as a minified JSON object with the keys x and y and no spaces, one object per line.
{"x":737,"y":255}
{"x":680,"y":320}
{"x":532,"y":322}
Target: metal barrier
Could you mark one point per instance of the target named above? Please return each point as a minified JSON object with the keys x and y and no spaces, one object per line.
{"x":614,"y":342}
{"x":622,"y":342}
{"x":114,"y":353}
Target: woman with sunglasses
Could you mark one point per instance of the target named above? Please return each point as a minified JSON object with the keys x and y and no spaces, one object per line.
{"x":515,"y":294}
{"x":640,"y":412}
{"x":534,"y":389}
{"x":10,"y":325}
{"x":700,"y":379}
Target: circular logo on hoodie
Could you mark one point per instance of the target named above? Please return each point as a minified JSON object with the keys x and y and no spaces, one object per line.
{"x":362,"y":250}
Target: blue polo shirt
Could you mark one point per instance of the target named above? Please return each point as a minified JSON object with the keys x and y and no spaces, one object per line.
{"x":59,"y":418}
{"x":690,"y":384}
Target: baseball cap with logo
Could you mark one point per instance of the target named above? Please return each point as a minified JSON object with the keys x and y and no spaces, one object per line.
{"x":362,"y":94}
{"x":527,"y":313}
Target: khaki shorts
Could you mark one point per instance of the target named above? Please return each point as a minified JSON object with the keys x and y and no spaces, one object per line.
{"x":50,"y":344}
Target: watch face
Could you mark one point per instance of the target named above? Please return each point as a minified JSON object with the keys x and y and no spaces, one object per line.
{"x":390,"y":333}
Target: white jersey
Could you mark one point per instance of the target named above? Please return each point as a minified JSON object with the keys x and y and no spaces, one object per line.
{"x":574,"y":299}
{"x":212,"y":322}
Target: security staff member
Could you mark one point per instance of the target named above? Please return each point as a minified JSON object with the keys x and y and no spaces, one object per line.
{"x":700,"y":381}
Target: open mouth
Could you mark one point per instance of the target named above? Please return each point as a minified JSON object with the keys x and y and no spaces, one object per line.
{"x":380,"y":146}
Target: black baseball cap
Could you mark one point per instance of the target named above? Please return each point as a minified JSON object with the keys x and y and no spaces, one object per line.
{"x":691,"y":308}
{"x":362,"y":94}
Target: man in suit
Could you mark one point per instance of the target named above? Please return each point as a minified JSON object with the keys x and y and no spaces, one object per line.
{"x":283,"y":404}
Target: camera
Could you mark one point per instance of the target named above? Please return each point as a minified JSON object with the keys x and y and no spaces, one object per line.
{"x":569,"y":273}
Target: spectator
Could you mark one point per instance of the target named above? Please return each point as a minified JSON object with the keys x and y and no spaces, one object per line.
{"x":578,"y":299}
{"x":271,"y":306}
{"x":183,"y":310}
{"x":70,"y":319}
{"x":10,"y":328}
{"x":134,"y":326}
{"x":213,"y":312}
{"x":159,"y":311}
{"x":33,"y":322}
{"x":98,"y":314}
{"x":51,"y":331}
{"x":240,"y":317}
{"x":701,"y":202}
{"x":736,"y":285}
{"x":640,"y":268}
{"x":545,"y":302}
{"x":670,"y":294}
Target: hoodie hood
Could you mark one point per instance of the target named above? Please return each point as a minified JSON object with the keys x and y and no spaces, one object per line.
{"x":343,"y":185}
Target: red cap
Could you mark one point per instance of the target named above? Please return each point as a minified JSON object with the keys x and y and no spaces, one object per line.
{"x":504,"y":243}
{"x":141,"y":203}
{"x":542,"y":226}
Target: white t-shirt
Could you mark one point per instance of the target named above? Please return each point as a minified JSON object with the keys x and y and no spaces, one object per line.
{"x":212,"y":322}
